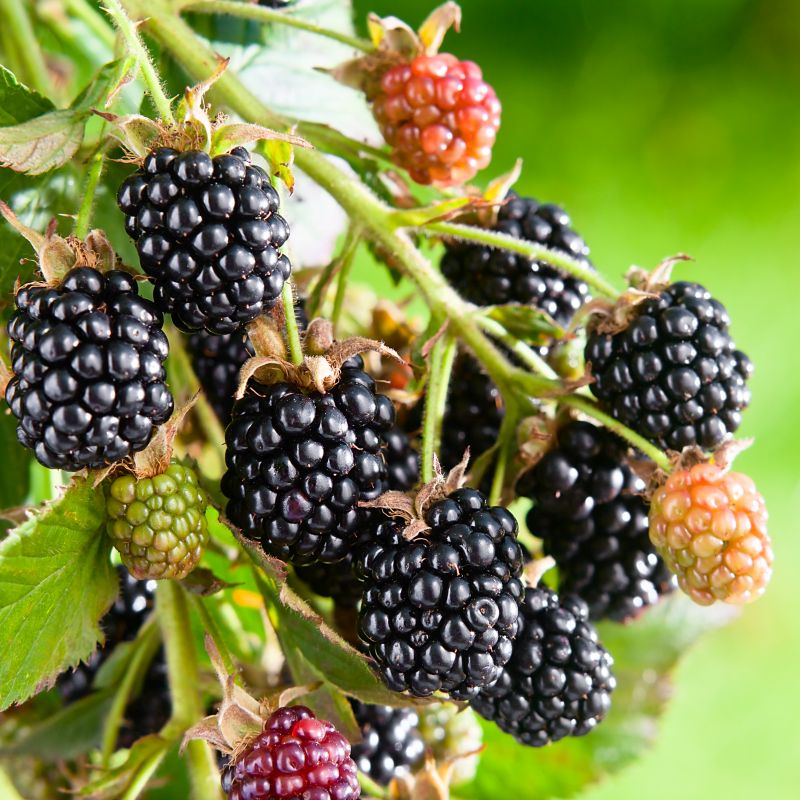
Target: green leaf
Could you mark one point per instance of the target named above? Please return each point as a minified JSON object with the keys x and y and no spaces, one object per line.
{"x":527,"y":323}
{"x":56,"y":582}
{"x":645,"y":653}
{"x":42,"y":143}
{"x":68,"y":733}
{"x":18,"y":103}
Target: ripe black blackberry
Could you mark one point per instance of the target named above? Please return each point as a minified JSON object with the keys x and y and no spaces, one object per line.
{"x":88,"y":385}
{"x":590,"y":515}
{"x":300,"y":462}
{"x":439,"y":612}
{"x":558,"y":682}
{"x":339,"y":581}
{"x":487,"y":276}
{"x":207,"y":232}
{"x":674,"y":373}
{"x":391,"y":744}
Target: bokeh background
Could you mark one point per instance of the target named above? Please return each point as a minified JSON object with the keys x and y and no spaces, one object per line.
{"x":668,"y":126}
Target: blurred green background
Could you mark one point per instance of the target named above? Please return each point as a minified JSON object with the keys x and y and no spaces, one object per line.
{"x":669,"y":126}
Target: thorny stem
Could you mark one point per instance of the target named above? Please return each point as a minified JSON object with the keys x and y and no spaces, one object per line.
{"x":84,"y":218}
{"x":173,"y":617}
{"x":471,"y":233}
{"x":292,"y":334}
{"x":17,"y":25}
{"x":139,"y":52}
{"x":261,"y":14}
{"x":346,"y":260}
{"x":361,"y":205}
{"x":441,"y":366}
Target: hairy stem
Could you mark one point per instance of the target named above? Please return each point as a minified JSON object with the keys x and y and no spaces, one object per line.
{"x":505,"y":445}
{"x":17,"y":24}
{"x":261,"y":14}
{"x":441,"y":366}
{"x":93,"y":174}
{"x":139,"y":52}
{"x":292,"y":333}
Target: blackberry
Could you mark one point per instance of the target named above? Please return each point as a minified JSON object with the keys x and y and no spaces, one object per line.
{"x":299,"y":463}
{"x":158,"y":524}
{"x":589,"y":513}
{"x":296,"y":756}
{"x":558,"y":682}
{"x":439,"y":117}
{"x":207,"y":232}
{"x":390,"y":743}
{"x":487,"y":276}
{"x":339,"y":581}
{"x":674,"y":374}
{"x":711,"y":528}
{"x":88,"y":383}
{"x":439,"y":612}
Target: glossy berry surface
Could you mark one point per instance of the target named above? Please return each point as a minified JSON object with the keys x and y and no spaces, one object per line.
{"x":488,"y":276}
{"x":158,"y":525}
{"x":87,"y":356}
{"x":710,"y":526}
{"x":440,"y":612}
{"x":674,"y":374}
{"x":558,"y":682}
{"x":391,"y":745}
{"x":590,"y":515}
{"x":299,"y":463}
{"x":295,"y":757}
{"x":439,"y":117}
{"x":208,"y":235}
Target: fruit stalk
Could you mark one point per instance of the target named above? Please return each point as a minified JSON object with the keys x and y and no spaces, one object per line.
{"x":441,"y":365}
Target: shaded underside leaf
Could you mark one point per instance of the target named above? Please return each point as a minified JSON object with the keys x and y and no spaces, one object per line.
{"x":56,"y":582}
{"x":42,"y":143}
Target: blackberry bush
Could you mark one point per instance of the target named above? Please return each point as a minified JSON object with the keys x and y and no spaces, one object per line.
{"x":300,"y":463}
{"x":674,"y":373}
{"x":558,"y":682}
{"x":439,"y":612}
{"x":208,"y":234}
{"x":88,"y":382}
{"x":589,"y":511}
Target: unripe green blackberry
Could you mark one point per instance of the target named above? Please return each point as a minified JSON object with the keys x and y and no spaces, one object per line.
{"x":158,"y":524}
{"x":452,"y":734}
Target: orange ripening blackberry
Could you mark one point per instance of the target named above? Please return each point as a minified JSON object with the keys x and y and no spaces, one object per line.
{"x":710,"y":527}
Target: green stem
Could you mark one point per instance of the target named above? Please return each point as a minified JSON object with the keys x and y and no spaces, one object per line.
{"x":292,"y":333}
{"x":346,"y":260}
{"x":502,"y":241}
{"x":144,"y":772}
{"x":441,"y":366}
{"x":139,"y":52}
{"x":212,"y":629}
{"x":527,"y":355}
{"x":17,"y":23}
{"x":93,"y":174}
{"x":93,"y":20}
{"x":261,"y":14}
{"x":7,"y":789}
{"x":505,"y":445}
{"x":187,"y":708}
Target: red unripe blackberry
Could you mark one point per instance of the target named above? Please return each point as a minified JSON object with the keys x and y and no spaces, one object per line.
{"x":589,"y":513}
{"x":710,"y":527}
{"x":391,"y":744}
{"x":88,"y":384}
{"x":439,"y":117}
{"x":296,"y":757}
{"x":300,"y":462}
{"x":558,"y":682}
{"x":207,"y":232}
{"x":339,"y":581}
{"x":439,"y":612}
{"x":673,"y":374}
{"x":488,"y":276}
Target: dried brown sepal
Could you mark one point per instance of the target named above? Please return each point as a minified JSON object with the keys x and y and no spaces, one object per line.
{"x":432,"y":782}
{"x":427,"y":346}
{"x":606,"y":317}
{"x":534,"y":570}
{"x":265,"y":334}
{"x":5,"y":376}
{"x":319,"y":336}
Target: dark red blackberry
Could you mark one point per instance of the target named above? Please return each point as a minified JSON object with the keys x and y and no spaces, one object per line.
{"x":558,"y":682}
{"x":439,"y":612}
{"x":674,"y":374}
{"x":487,"y":276}
{"x":299,"y":463}
{"x":207,"y":232}
{"x":88,"y":384}
{"x":391,"y":744}
{"x":338,"y":581}
{"x":296,"y":756}
{"x":589,"y":513}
